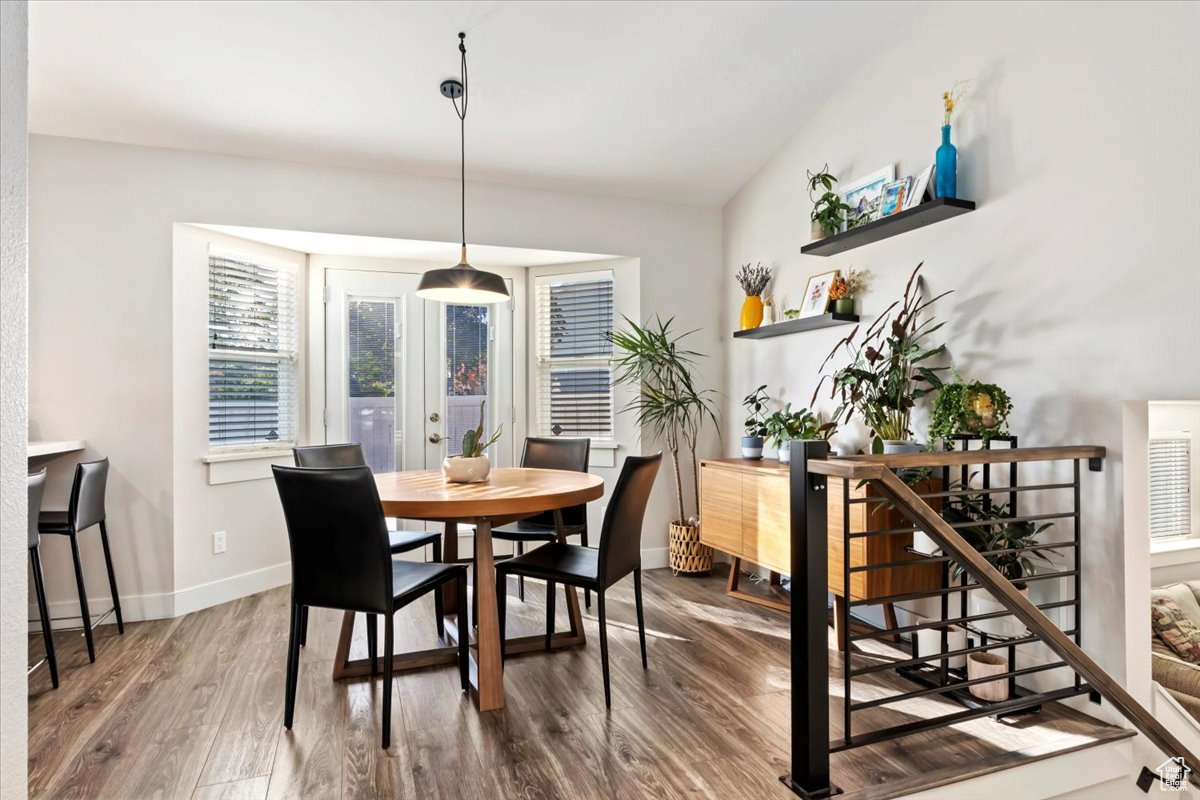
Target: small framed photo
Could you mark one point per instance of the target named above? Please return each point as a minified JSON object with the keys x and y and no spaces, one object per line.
{"x":894,"y":194}
{"x":816,"y":294}
{"x":916,"y":195}
{"x":865,"y":194}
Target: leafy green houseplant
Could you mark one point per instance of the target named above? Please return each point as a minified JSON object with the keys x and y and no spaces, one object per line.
{"x":976,"y":408}
{"x":756,"y":422}
{"x":669,"y":404}
{"x":785,"y":425}
{"x":472,"y":465}
{"x":828,"y":207}
{"x":890,"y":369}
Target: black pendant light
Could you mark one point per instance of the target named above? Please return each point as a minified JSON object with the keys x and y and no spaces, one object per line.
{"x":462,"y":283}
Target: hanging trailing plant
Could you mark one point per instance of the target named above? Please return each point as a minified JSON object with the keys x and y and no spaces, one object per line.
{"x":977,"y":408}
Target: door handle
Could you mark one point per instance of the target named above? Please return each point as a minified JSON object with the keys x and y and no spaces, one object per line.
{"x":434,"y":438}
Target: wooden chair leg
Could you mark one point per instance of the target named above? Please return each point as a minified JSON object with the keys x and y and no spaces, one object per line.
{"x":521,"y":578}
{"x":889,"y":620}
{"x":464,"y":639}
{"x":293,"y":664}
{"x":439,"y":606}
{"x":44,"y":612}
{"x":373,"y":642}
{"x":83,"y":604}
{"x":641,"y":620}
{"x":387,"y":680}
{"x":549,"y":613}
{"x":112,"y":580}
{"x":839,"y":612}
{"x":603,"y":648}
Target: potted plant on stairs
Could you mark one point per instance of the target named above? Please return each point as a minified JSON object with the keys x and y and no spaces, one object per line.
{"x":669,"y":404}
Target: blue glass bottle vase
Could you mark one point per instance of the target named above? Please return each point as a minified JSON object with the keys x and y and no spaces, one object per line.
{"x":947,"y":167}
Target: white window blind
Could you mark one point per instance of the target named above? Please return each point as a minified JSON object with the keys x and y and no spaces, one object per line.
{"x":253,"y":395}
{"x":1170,"y":484}
{"x":574,"y":317}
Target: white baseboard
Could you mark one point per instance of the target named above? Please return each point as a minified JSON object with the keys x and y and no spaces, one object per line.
{"x":134,"y":608}
{"x":214,"y":593}
{"x":656,"y":558}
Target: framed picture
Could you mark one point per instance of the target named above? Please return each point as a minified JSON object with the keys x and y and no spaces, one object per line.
{"x":916,"y":195}
{"x":864,"y":195}
{"x":816,"y":294}
{"x":893,"y":196}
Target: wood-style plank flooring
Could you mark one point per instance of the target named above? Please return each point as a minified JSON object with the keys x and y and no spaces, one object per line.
{"x":193,"y":708}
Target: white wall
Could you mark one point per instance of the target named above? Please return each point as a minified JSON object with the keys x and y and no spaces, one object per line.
{"x":101,"y":318}
{"x":14,"y":331}
{"x":1075,"y":281}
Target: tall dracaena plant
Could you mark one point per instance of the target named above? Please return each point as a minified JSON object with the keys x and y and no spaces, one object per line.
{"x":668,"y":402}
{"x":889,"y":367}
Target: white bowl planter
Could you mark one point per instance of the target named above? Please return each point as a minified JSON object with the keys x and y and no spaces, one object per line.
{"x":457,"y":469}
{"x":981,"y":665}
{"x":923,"y":543}
{"x":929,"y":643}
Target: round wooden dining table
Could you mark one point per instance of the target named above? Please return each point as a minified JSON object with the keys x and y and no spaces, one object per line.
{"x":508,"y":495}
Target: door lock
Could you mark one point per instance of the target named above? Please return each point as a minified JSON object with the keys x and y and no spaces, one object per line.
{"x":434,"y":438}
{"x":434,"y":417}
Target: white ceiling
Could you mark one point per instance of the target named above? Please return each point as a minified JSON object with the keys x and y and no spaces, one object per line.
{"x":676,"y":101}
{"x":445,"y":253}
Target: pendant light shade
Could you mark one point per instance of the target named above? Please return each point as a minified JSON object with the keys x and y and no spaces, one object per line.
{"x":462,"y":283}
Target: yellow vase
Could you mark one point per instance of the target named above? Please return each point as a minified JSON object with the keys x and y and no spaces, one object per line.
{"x":752,"y":312}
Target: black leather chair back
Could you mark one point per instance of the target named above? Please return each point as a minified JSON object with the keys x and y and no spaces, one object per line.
{"x":329,"y":456}
{"x":87,"y":493}
{"x":556,"y":453}
{"x":621,"y":537}
{"x":338,"y":538}
{"x":37,"y":488}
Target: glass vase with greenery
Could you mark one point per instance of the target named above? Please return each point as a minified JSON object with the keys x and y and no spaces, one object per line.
{"x":668,"y":402}
{"x":828,"y":207}
{"x":890,"y":367}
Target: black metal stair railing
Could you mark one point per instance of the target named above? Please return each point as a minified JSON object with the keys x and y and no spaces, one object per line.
{"x":811,"y":468}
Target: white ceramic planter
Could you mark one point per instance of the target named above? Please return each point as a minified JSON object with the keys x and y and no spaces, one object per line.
{"x":894,"y":447}
{"x":929,"y":643}
{"x":923,"y":543}
{"x":980,"y":601}
{"x":457,"y":469}
{"x":785,"y":452}
{"x":981,"y":665}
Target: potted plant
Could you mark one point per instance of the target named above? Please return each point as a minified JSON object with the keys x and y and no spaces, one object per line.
{"x":753,"y":281}
{"x":785,"y":425}
{"x":472,"y":466}
{"x":889,"y":370}
{"x":828,"y":209}
{"x":669,"y":404}
{"x":977,"y":408}
{"x":845,"y":289}
{"x":756,"y":423}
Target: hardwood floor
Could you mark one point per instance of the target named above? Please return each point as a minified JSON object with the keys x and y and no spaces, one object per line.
{"x":193,"y":707}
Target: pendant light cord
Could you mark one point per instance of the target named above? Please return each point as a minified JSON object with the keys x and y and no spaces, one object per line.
{"x":462,"y":121}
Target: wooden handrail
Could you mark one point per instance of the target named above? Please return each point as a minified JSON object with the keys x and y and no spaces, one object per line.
{"x":955,"y":458}
{"x":928,"y":520}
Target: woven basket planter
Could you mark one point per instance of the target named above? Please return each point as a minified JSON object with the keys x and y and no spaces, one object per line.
{"x":688,"y":554}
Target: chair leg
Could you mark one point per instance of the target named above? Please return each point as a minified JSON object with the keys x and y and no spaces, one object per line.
{"x":44,"y":613}
{"x":464,"y":637}
{"x":373,"y":642}
{"x":112,"y":579}
{"x":439,"y":607}
{"x":603,"y":648}
{"x":293,"y":668}
{"x":304,"y":626}
{"x":521,"y":578}
{"x":387,"y":681}
{"x":83,"y":605}
{"x":637,"y":596}
{"x":549,"y":613}
{"x":587,"y":593}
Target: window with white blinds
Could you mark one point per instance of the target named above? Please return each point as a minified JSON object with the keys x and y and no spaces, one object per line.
{"x":1170,"y":485}
{"x":574,"y":317}
{"x":253,"y":373}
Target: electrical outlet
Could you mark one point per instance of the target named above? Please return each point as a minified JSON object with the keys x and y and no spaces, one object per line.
{"x":218,"y":542}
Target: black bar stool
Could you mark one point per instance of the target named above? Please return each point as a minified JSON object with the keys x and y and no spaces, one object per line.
{"x":85,"y":510}
{"x":37,"y":487}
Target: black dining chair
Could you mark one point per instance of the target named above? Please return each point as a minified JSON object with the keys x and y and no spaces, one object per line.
{"x":37,"y":487}
{"x":333,"y":456}
{"x":550,"y":453}
{"x":341,"y":559}
{"x":85,"y":510}
{"x":619,"y":554}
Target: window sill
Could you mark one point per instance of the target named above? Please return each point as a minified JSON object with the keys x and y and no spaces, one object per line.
{"x":244,"y":465}
{"x":1175,"y":552}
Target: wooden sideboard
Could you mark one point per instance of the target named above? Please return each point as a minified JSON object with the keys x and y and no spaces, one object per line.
{"x":745,"y":512}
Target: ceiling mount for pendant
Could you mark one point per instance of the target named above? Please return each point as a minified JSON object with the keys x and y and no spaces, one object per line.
{"x":452,"y":89}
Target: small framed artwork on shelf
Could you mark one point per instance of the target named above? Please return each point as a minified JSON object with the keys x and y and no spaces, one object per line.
{"x":865,"y":195}
{"x":894,"y":193}
{"x":816,"y":294}
{"x":920,"y":186}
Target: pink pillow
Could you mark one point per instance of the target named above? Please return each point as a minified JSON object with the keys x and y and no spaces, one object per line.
{"x":1174,"y":628}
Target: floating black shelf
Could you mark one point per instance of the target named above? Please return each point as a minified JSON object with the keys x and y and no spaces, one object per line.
{"x":796,"y":326}
{"x":908,"y":220}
